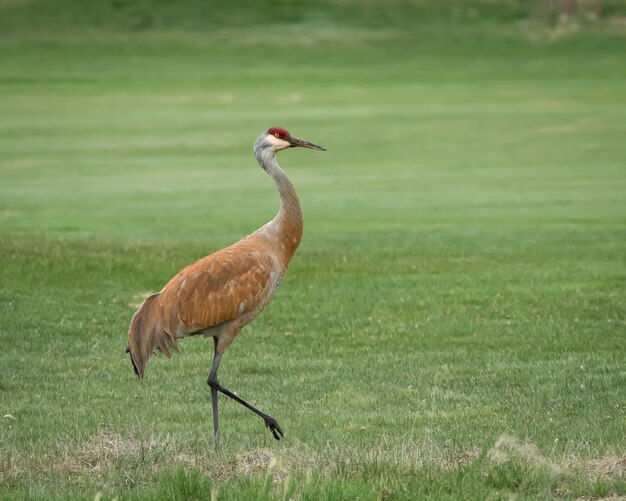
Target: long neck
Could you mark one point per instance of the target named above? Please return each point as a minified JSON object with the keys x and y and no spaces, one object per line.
{"x":288,"y":222}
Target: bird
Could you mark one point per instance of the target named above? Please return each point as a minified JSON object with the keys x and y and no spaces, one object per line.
{"x":219,"y":294}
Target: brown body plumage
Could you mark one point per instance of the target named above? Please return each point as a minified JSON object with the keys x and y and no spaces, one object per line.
{"x":219,"y":294}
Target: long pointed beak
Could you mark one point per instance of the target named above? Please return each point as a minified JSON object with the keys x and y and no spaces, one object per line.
{"x":296,"y":141}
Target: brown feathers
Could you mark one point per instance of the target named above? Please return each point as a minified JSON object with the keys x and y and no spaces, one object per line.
{"x":220,"y":288}
{"x":147,"y":335}
{"x":217,"y":295}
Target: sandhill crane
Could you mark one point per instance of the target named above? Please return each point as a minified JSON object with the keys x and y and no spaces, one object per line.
{"x":219,"y":294}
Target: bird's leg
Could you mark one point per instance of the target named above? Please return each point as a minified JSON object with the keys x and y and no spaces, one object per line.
{"x":270,"y":422}
{"x":213,"y":376}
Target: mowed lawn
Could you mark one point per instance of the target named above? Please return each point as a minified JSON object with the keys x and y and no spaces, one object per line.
{"x":453,"y":324}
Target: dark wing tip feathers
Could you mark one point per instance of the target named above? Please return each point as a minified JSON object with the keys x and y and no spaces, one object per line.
{"x":127,"y":350}
{"x":135,"y":368}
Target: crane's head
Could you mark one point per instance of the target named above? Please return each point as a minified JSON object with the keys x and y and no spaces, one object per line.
{"x":279,"y":139}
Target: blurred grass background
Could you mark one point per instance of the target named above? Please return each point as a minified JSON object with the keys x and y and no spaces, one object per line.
{"x":453,"y":323}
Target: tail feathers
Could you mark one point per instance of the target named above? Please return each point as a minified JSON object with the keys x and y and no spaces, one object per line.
{"x":146,"y":334}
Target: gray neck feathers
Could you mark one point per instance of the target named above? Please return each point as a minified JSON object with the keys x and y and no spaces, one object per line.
{"x":289,"y":221}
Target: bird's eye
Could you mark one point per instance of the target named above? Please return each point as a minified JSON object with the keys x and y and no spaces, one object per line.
{"x":277,"y":134}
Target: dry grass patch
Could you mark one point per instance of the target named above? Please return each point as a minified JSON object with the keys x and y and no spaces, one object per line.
{"x":508,"y":448}
{"x":99,"y":452}
{"x":141,"y":461}
{"x":606,"y":467}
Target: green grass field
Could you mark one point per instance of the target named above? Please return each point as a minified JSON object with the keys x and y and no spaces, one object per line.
{"x":453,"y":324}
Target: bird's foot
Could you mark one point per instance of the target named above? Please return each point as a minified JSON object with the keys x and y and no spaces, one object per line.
{"x":273,"y":426}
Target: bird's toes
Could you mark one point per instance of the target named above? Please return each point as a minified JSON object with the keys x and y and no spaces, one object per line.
{"x":274,"y":427}
{"x":278,"y":433}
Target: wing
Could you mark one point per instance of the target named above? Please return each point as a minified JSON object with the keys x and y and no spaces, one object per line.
{"x":217,"y":289}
